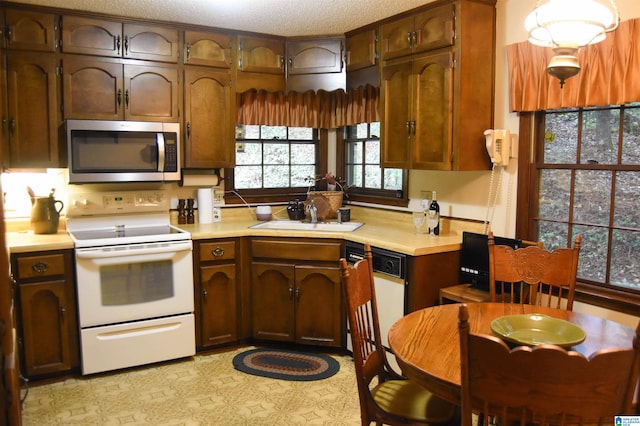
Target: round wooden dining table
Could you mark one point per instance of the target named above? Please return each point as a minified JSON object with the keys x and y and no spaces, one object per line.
{"x":426,"y":342}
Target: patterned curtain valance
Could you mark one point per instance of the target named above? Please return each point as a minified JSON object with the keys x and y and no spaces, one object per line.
{"x":609,"y":74}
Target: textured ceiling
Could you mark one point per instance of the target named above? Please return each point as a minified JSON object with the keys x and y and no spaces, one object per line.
{"x":280,"y":17}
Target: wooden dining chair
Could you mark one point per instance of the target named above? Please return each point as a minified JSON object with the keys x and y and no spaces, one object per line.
{"x":385,"y":396}
{"x":533,"y":274}
{"x":545,"y":384}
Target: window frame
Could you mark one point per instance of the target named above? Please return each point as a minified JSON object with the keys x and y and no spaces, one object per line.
{"x":369,"y":195}
{"x":529,"y":149}
{"x":275,"y":195}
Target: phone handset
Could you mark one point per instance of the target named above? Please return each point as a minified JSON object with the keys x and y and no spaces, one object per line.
{"x":498,"y":143}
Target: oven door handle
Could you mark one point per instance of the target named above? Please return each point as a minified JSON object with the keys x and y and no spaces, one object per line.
{"x":132,"y":251}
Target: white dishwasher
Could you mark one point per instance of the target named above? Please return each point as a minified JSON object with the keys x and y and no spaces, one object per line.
{"x":389,"y":270}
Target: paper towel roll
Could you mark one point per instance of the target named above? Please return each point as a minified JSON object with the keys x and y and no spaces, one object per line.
{"x":205,"y":205}
{"x":200,"y":180}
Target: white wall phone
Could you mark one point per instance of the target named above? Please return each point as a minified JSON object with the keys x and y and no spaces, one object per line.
{"x":498,"y":145}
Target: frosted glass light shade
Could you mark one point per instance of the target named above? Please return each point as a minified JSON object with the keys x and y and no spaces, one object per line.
{"x":570,"y":23}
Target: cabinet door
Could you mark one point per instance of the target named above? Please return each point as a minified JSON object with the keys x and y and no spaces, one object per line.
{"x":434,"y":28}
{"x":48,"y":320}
{"x":361,"y":50}
{"x":33,"y":105}
{"x":396,"y":38}
{"x":218,"y":313}
{"x":314,"y":56}
{"x":209,"y":119}
{"x":261,"y":55}
{"x":397,"y":125}
{"x":272,"y":292}
{"x":150,"y":42}
{"x":93,"y":88}
{"x":319,"y":315}
{"x":207,"y":48}
{"x":28,"y":30}
{"x":151,"y":93}
{"x":89,"y":36}
{"x":433,"y":101}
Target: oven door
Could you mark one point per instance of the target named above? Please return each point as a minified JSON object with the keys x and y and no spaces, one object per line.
{"x":134,"y":282}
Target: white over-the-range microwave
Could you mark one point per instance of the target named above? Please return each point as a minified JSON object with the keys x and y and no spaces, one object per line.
{"x":122,"y":151}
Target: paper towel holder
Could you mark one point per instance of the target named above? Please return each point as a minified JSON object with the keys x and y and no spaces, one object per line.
{"x":211,"y":176}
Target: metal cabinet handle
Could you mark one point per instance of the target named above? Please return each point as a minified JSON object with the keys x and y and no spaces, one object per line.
{"x":188,"y":51}
{"x":217,"y":252}
{"x":126,"y":98}
{"x":204,"y":295}
{"x":297,"y":293}
{"x":126,"y":45}
{"x":409,"y":38}
{"x":12,"y":126}
{"x":40,"y":267}
{"x":118,"y":44}
{"x":189,"y":134}
{"x":290,"y":293}
{"x":62,"y":312}
{"x":119,"y":97}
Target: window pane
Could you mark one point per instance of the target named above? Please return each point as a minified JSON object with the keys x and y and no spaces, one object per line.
{"x":561,"y":138}
{"x":593,"y":252}
{"x":373,"y":176}
{"x":600,"y":137}
{"x":362,"y":131}
{"x":299,"y":175}
{"x":248,"y":177}
{"x":274,"y":132}
{"x":625,"y":259}
{"x":276,"y":176}
{"x":276,"y":153}
{"x":554,"y":195}
{"x":375,"y":129}
{"x":553,"y":234}
{"x":252,"y":154}
{"x":354,"y":177}
{"x":393,"y":179}
{"x":631,"y":136}
{"x":372,"y":154}
{"x":301,"y":133}
{"x":303,"y":153}
{"x":592,"y":197}
{"x":354,"y":152}
{"x":626,"y":213}
{"x":251,"y":132}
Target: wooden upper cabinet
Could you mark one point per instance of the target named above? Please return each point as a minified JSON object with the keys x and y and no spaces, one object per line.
{"x":432,"y":29}
{"x":101,"y":37}
{"x":314,"y":56}
{"x":105,"y":89}
{"x":32,"y":111}
{"x":207,"y":48}
{"x":26,"y":30}
{"x":261,"y":54}
{"x":209,"y":119}
{"x":362,"y":50}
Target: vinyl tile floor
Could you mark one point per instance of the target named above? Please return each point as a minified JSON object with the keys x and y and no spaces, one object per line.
{"x":203,"y":390}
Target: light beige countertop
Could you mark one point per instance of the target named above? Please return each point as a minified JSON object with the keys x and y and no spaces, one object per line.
{"x":386,"y":229}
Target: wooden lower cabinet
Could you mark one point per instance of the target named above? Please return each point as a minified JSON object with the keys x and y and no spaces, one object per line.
{"x":217,"y":293}
{"x":47,"y":317}
{"x":296,"y":293}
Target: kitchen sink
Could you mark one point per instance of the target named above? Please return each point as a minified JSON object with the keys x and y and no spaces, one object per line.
{"x":297,"y":225}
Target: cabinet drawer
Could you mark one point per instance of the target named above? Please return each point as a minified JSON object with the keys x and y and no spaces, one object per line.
{"x":297,"y":250}
{"x":223,"y":250}
{"x":40,"y":266}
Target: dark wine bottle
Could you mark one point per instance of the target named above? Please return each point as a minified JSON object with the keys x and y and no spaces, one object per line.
{"x":435,"y":206}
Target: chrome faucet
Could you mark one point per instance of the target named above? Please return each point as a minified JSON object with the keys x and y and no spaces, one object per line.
{"x":313,"y":211}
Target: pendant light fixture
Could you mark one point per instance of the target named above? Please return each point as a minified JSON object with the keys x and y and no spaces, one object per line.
{"x":566,"y":26}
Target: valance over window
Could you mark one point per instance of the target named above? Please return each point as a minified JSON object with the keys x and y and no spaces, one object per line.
{"x":610,"y":70}
{"x":321,"y":109}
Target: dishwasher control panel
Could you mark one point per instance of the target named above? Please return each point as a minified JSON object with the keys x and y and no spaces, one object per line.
{"x":384,"y":261}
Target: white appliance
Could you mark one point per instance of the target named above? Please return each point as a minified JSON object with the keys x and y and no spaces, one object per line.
{"x":389,"y":272}
{"x":134,"y":279}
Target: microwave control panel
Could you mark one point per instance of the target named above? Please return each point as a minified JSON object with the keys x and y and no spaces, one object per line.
{"x":101,"y":203}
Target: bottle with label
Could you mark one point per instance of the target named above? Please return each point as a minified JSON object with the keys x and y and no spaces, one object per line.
{"x":435,"y":206}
